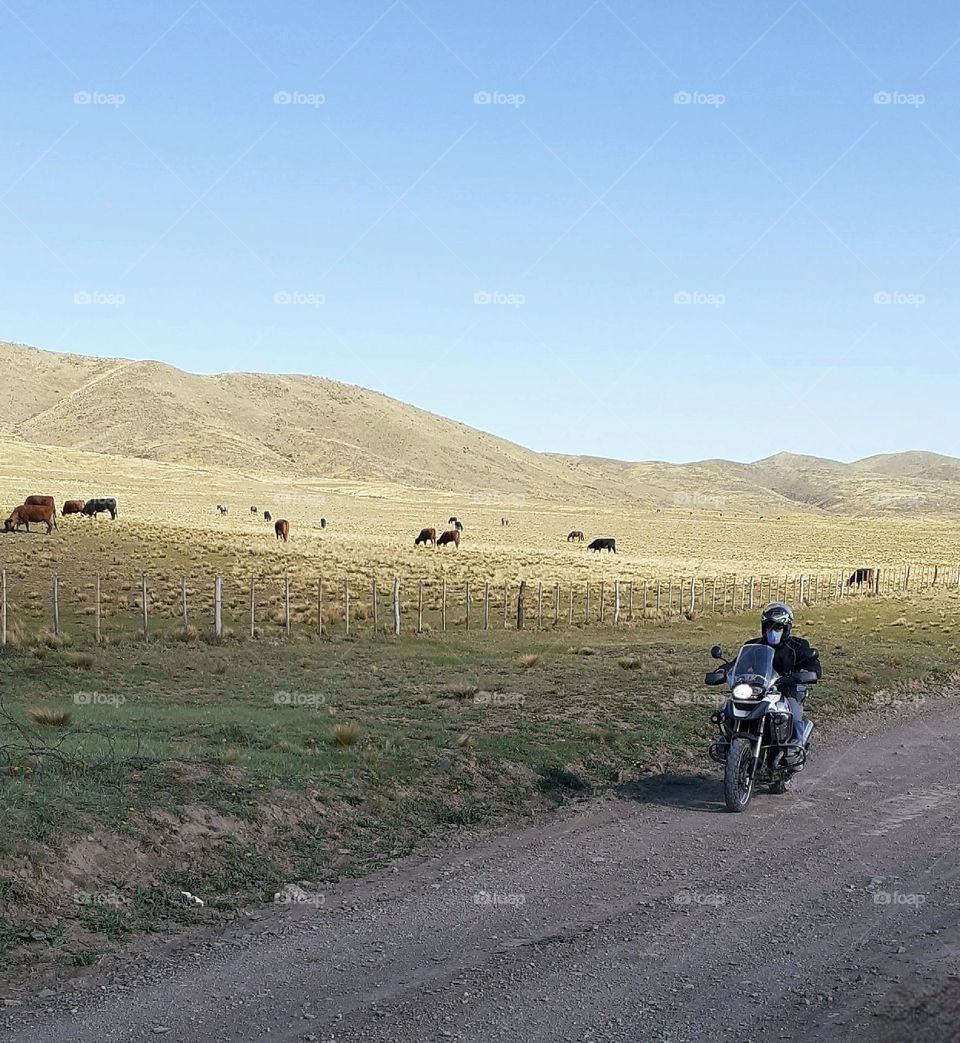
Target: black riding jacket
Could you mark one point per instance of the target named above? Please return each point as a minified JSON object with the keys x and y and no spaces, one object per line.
{"x":792,"y":655}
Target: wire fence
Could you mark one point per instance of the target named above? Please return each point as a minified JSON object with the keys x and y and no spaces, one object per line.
{"x":104,"y":607}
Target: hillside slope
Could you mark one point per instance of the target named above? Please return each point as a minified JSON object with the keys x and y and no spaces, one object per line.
{"x":305,"y":426}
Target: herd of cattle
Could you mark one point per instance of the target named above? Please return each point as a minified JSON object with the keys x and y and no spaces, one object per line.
{"x":42,"y":510}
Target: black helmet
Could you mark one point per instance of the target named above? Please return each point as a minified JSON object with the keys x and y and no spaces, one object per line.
{"x":777,"y":614}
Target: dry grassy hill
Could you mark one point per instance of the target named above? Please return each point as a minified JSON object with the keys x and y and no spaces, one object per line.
{"x":309,"y":427}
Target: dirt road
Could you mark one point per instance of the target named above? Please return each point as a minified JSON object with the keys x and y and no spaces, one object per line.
{"x":827,"y":914}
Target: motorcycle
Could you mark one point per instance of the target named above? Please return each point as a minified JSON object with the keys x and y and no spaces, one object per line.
{"x":756,"y":744}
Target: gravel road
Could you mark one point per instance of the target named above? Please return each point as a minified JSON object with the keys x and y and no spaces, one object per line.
{"x":830,"y":913}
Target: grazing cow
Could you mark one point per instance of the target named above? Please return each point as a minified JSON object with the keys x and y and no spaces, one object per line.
{"x":38,"y":513}
{"x":452,"y":521}
{"x":607,"y":543}
{"x":41,"y":501}
{"x":282,"y":528}
{"x":426,"y":536}
{"x":267,"y":516}
{"x":72,"y":507}
{"x":253,"y":510}
{"x":861,"y":576}
{"x":450,"y":536}
{"x":103,"y":504}
{"x":575,"y":535}
{"x":323,"y":523}
{"x":222,"y":508}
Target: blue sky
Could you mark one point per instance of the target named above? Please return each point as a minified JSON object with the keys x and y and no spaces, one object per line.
{"x":642,"y":231}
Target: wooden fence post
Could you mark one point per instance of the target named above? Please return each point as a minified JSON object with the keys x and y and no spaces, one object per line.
{"x":658,"y":597}
{"x":217,"y":619}
{"x":143,"y":602}
{"x":752,"y":581}
{"x":616,"y":602}
{"x":630,"y":601}
{"x":373,"y":599}
{"x":3,"y":607}
{"x":396,"y":605}
{"x":586,"y":608}
{"x":570,"y":607}
{"x":420,"y":607}
{"x":320,"y":607}
{"x":520,"y":596}
{"x":693,"y":596}
{"x":253,"y":607}
{"x":540,"y":605}
{"x":506,"y":604}
{"x":466,"y":604}
{"x":286,"y":605}
{"x":713,"y":603}
{"x":906,"y":581}
{"x":556,"y":604}
{"x":96,"y":612}
{"x":800,"y":596}
{"x":443,"y":606}
{"x":486,"y":606}
{"x":183,"y":600}
{"x":601,"y":600}
{"x":346,"y":605}
{"x":56,"y":606}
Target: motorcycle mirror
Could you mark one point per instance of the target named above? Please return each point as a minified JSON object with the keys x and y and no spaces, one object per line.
{"x":716,"y":652}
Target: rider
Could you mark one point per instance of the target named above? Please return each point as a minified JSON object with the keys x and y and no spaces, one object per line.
{"x":790,"y":655}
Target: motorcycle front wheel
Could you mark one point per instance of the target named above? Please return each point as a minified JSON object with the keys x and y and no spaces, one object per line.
{"x":738,"y":775}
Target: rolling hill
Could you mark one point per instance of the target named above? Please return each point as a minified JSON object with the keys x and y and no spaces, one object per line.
{"x":310,"y":427}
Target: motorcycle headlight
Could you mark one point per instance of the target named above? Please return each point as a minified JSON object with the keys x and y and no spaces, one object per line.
{"x":743,"y":691}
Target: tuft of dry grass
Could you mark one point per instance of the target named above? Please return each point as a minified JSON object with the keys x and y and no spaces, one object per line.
{"x":462,"y":690}
{"x":80,"y":660}
{"x":347,"y":734}
{"x":231,"y":755}
{"x":465,"y":742}
{"x":631,"y":662}
{"x":529,"y":660}
{"x":47,"y":717}
{"x":602,"y":735}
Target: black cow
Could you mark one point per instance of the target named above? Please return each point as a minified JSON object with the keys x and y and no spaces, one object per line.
{"x":267,"y":516}
{"x":323,"y":523}
{"x":607,"y":543}
{"x":861,"y":576}
{"x":103,"y":504}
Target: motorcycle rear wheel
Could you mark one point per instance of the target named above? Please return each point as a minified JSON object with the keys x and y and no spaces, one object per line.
{"x":738,"y":775}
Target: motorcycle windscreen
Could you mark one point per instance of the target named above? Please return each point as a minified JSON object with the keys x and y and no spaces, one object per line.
{"x":754,"y":665}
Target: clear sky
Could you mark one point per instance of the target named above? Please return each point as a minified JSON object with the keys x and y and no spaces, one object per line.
{"x":668,"y":231}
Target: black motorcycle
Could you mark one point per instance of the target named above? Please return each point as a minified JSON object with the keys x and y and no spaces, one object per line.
{"x":756,"y":743}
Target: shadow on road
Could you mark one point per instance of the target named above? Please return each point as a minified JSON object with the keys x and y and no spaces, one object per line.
{"x":693,"y":792}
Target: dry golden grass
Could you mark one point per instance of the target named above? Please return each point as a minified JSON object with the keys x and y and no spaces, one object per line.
{"x":50,"y":718}
{"x":346,"y":734}
{"x":529,"y":660}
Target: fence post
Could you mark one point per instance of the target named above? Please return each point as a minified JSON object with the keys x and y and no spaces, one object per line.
{"x":713,"y":603}
{"x":320,"y":607}
{"x":143,"y":603}
{"x":570,"y":607}
{"x":540,"y":605}
{"x":346,"y":605}
{"x":802,"y":585}
{"x":752,"y":581}
{"x":586,"y":608}
{"x":520,"y":596}
{"x":373,"y":598}
{"x":906,"y":581}
{"x":253,"y":607}
{"x":693,"y":595}
{"x":630,"y":602}
{"x":616,"y":602}
{"x":420,"y":607}
{"x":217,"y":622}
{"x":443,"y":606}
{"x":286,"y":605}
{"x":396,"y":605}
{"x":486,"y":606}
{"x":56,"y":606}
{"x":506,"y":604}
{"x":96,"y":612}
{"x":3,"y":607}
{"x":466,"y":604}
{"x":643,"y":611}
{"x":183,"y":600}
{"x":556,"y":604}
{"x":658,"y":596}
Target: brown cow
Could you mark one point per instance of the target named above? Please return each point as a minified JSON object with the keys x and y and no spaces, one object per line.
{"x":426,"y":536}
{"x":861,"y":576}
{"x":450,"y":536}
{"x":575,"y":535}
{"x":41,"y":501}
{"x":72,"y":507}
{"x":282,"y":528}
{"x":32,"y":512}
